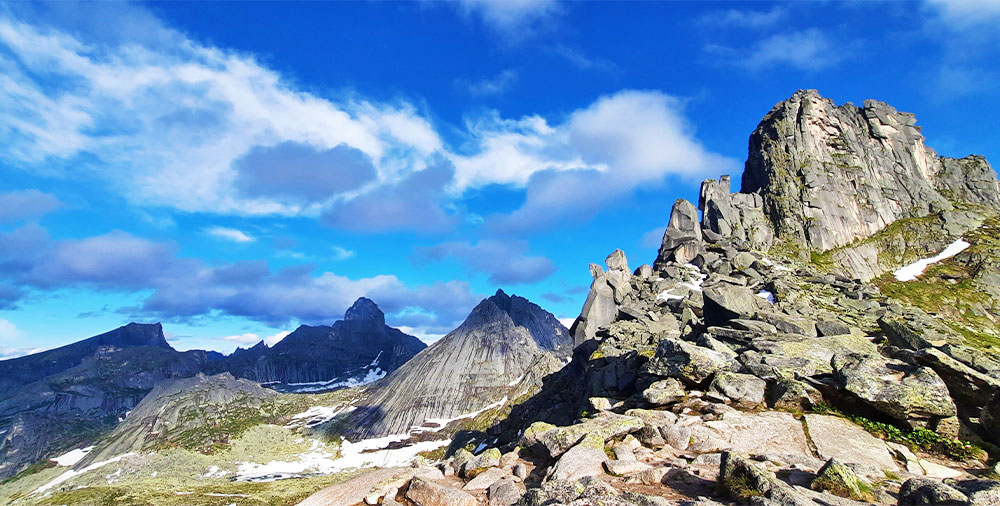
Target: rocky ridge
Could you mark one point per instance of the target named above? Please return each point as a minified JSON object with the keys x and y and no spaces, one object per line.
{"x":753,"y":363}
{"x":358,"y":349}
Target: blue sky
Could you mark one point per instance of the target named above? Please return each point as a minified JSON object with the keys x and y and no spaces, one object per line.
{"x":236,"y":169}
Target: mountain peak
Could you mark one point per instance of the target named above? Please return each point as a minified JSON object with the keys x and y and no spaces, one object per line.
{"x":365,"y":310}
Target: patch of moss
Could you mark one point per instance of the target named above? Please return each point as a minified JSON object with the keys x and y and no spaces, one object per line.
{"x":923,"y":439}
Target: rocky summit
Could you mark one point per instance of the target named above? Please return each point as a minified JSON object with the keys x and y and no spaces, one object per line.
{"x":825,"y":336}
{"x":359,"y":349}
{"x":505,"y":345}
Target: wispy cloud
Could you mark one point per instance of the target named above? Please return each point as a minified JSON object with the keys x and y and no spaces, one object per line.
{"x":495,"y":85}
{"x":229,"y":234}
{"x":503,"y":261}
{"x":809,"y":49}
{"x":514,"y":19}
{"x":580,"y":60}
{"x":341,"y":253}
{"x":744,"y":18}
{"x":653,"y":238}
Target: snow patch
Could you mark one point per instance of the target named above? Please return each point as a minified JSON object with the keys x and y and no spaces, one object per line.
{"x":766,"y":295}
{"x":910,"y":272}
{"x":371,"y":375}
{"x":365,"y":453}
{"x":71,"y":458}
{"x":518,"y":380}
{"x":68,"y":475}
{"x":440,"y":423}
{"x":318,"y":415}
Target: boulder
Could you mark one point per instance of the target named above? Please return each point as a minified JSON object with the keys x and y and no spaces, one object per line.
{"x":794,"y":395}
{"x":663,"y":392}
{"x":965,"y":384}
{"x":685,"y":361}
{"x":835,"y":437}
{"x":911,"y":394}
{"x":839,"y":479}
{"x":604,"y":426}
{"x":788,"y":323}
{"x":989,"y":418}
{"x":607,"y":292}
{"x":917,"y":491}
{"x":725,"y":302}
{"x":586,"y":458}
{"x":425,"y":493}
{"x":743,"y":390}
{"x":832,"y":328}
{"x":489,"y":458}
{"x":504,"y":493}
{"x":771,"y":432}
{"x":485,"y":479}
{"x":683,"y":228}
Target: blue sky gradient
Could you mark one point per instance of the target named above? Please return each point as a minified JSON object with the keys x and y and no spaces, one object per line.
{"x":236,"y":169}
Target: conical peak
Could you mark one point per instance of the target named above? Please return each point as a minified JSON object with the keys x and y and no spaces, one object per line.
{"x":365,"y":309}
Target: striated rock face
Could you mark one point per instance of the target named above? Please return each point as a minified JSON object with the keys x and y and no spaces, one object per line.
{"x":359,"y":347}
{"x":828,"y":175}
{"x":505,"y":341}
{"x":607,"y":292}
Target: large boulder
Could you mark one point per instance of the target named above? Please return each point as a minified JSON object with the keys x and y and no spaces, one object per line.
{"x":425,"y":493}
{"x":743,"y":390}
{"x":839,"y":479}
{"x":725,"y":302}
{"x":586,"y":458}
{"x":682,"y":229}
{"x":911,"y":394}
{"x":919,"y":491}
{"x":691,"y":363}
{"x":605,"y":426}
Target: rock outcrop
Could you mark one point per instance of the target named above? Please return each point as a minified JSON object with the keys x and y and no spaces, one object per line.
{"x":829,"y":175}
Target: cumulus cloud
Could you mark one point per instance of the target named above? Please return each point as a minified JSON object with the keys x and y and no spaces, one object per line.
{"x":172,"y":123}
{"x":600,"y":153}
{"x":24,"y":204}
{"x":248,"y":338}
{"x":809,"y":49}
{"x":185,"y":289}
{"x":229,"y":234}
{"x":505,"y":262}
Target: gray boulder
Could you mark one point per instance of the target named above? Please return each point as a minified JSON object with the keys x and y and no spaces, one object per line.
{"x":725,"y":302}
{"x":912,"y":394}
{"x":685,"y":361}
{"x":917,"y":491}
{"x":683,"y":228}
{"x":743,"y":390}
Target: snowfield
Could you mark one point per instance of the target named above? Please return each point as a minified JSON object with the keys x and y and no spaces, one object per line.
{"x":910,"y":272}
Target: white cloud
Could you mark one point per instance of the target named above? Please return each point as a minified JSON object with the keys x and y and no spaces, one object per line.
{"x":8,"y":331}
{"x":252,"y":338}
{"x":640,"y":135}
{"x":568,"y":321}
{"x":582,"y":61}
{"x":341,"y":253}
{"x":745,"y":18}
{"x":166,"y":120}
{"x":514,"y":18}
{"x":966,"y":13}
{"x":273,"y":339}
{"x":809,"y":49}
{"x":495,"y":85}
{"x":229,"y":234}
{"x":248,"y":338}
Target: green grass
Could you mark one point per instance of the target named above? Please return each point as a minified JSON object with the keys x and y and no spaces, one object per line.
{"x":923,"y":439}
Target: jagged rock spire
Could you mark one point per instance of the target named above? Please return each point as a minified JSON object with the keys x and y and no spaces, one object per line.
{"x":365,"y":310}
